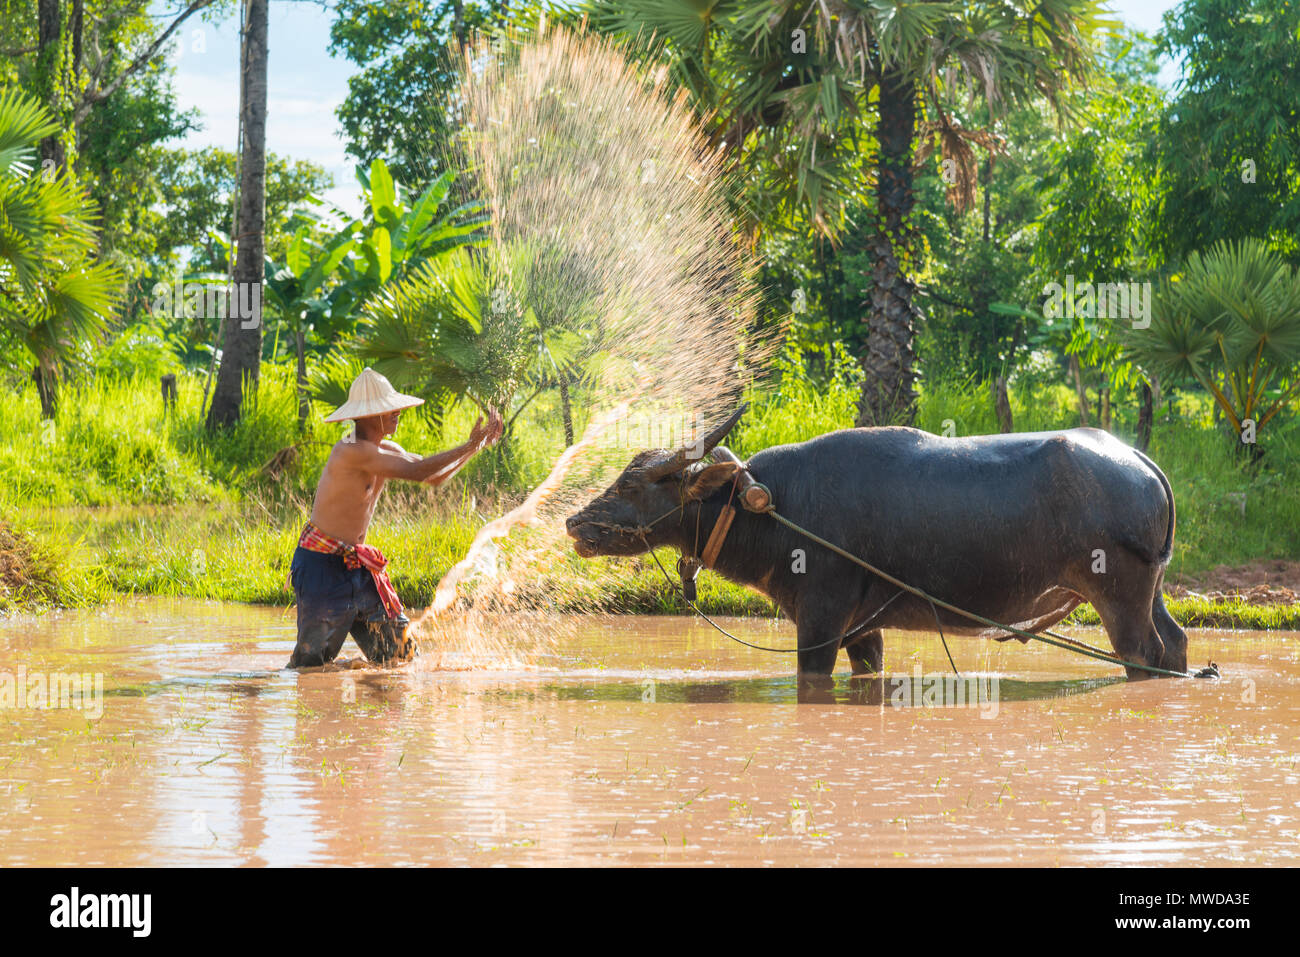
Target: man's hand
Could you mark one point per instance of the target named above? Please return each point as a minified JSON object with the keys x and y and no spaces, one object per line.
{"x":483,"y":435}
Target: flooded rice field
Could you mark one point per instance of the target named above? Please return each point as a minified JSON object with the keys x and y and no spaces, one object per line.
{"x":640,"y":741}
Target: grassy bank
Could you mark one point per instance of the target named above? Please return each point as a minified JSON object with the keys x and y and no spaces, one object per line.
{"x":238,"y":552}
{"x":37,"y":571}
{"x":119,"y":495}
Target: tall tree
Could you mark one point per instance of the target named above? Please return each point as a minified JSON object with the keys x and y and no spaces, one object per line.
{"x":49,"y":59}
{"x":1096,"y":218}
{"x":810,"y":62}
{"x":398,"y":103}
{"x":1228,"y":147}
{"x":71,"y":62}
{"x":1012,"y":53}
{"x":242,"y":342}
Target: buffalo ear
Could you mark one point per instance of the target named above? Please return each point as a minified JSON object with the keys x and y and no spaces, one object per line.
{"x":706,"y":481}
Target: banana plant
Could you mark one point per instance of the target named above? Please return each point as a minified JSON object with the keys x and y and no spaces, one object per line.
{"x":403,"y":232}
{"x":297,"y":292}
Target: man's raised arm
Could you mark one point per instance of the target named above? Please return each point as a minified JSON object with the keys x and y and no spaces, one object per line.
{"x":390,"y":460}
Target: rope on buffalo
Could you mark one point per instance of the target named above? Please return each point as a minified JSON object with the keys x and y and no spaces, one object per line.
{"x":780,"y":651}
{"x":1079,"y":645}
{"x":1061,"y":641}
{"x":644,"y":531}
{"x":1211,"y":671}
{"x":1054,"y":640}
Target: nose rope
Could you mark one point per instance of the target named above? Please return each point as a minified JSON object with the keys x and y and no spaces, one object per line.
{"x":643,"y":530}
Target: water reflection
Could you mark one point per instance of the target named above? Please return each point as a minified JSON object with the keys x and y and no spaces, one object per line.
{"x":899,"y":691}
{"x":643,"y":740}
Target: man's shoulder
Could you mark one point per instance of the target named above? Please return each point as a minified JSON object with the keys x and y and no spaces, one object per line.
{"x":351,"y":449}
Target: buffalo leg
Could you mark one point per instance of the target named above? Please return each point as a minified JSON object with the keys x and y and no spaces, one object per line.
{"x":1171,"y":634}
{"x":866,"y":651}
{"x":1125,"y":599}
{"x":818,"y":647}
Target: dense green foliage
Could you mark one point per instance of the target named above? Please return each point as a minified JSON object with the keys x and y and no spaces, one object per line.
{"x":54,"y":292}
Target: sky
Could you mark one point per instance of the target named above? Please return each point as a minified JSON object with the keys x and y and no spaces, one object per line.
{"x":306,"y":84}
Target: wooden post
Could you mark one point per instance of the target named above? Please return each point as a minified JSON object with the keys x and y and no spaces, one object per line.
{"x":1145,"y":415}
{"x":1001,"y":403}
{"x":169,"y":391}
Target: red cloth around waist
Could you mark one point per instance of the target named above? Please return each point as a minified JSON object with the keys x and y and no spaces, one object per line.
{"x":355,"y":556}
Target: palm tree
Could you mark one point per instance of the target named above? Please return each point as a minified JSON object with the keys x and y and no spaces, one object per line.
{"x":241,"y":355}
{"x":470,"y":327}
{"x":54,"y":295}
{"x":912,"y":55}
{"x":451,"y":331}
{"x":1231,"y":322}
{"x":783,"y":112}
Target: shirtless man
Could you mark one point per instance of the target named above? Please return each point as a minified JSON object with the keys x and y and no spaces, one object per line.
{"x":340,"y":582}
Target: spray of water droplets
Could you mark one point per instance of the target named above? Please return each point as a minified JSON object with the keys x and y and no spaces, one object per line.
{"x":589,"y":164}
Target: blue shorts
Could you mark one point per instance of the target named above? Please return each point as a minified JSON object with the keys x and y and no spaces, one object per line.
{"x":335,"y":601}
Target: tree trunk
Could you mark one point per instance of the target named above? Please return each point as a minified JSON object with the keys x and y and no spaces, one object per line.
{"x":1079,"y":389}
{"x":888,"y":394}
{"x":242,"y":348}
{"x":47,"y":387}
{"x":458,"y":22}
{"x":1146,"y":413}
{"x":76,"y":28}
{"x":566,"y":410}
{"x":1001,"y":403}
{"x":49,"y":61}
{"x":988,"y":198}
{"x":304,"y":403}
{"x":167,"y":384}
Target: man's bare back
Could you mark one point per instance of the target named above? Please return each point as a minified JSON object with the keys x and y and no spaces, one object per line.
{"x":360,"y":466}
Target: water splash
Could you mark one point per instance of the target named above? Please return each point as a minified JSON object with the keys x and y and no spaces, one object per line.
{"x":594,"y":162}
{"x":523,"y":514}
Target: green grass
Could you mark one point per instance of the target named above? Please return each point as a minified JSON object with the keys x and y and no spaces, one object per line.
{"x":119,"y":496}
{"x":1229,"y":511}
{"x":1211,"y":613}
{"x":112,"y":443}
{"x":37,"y":571}
{"x":109,"y":444}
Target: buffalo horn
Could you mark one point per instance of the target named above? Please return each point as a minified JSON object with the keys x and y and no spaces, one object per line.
{"x":683,"y":456}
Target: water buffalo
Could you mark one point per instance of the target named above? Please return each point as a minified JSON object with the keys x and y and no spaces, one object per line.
{"x":1018,"y":528}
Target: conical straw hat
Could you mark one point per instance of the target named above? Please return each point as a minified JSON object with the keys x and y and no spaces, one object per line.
{"x":372,"y":394}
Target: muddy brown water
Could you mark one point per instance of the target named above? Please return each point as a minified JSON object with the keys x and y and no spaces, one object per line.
{"x":640,"y":741}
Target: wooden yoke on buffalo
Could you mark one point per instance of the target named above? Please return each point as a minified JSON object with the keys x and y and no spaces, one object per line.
{"x":754,"y":495}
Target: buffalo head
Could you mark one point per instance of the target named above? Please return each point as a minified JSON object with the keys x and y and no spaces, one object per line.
{"x":642,"y":505}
